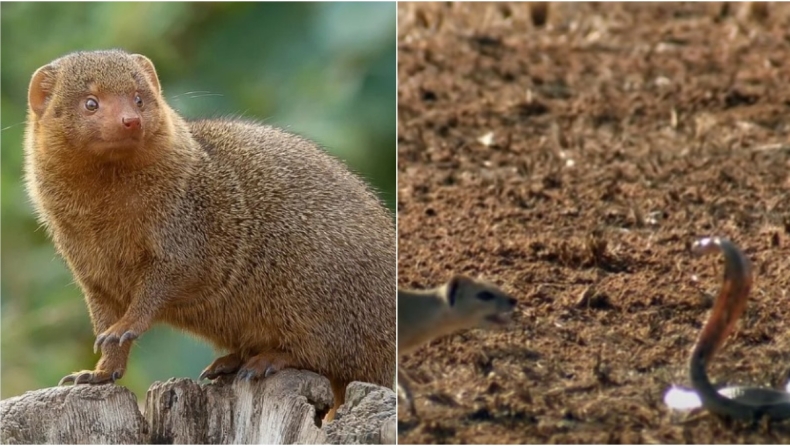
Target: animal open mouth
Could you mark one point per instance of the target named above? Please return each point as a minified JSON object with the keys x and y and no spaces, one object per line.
{"x":499,"y":319}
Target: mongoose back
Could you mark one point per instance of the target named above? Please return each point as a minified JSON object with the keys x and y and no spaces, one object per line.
{"x":461,"y":303}
{"x":247,"y":236}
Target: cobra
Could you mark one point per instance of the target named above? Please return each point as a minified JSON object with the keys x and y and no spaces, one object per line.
{"x":737,"y":402}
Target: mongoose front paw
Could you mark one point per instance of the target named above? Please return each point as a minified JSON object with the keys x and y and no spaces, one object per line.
{"x":92,"y":377}
{"x":404,"y":391}
{"x":118,"y":333}
{"x":224,"y":365}
{"x":264,"y":365}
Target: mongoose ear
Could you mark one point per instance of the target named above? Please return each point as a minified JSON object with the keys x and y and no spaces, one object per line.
{"x":149,"y":70}
{"x":454,"y":288}
{"x":41,"y":85}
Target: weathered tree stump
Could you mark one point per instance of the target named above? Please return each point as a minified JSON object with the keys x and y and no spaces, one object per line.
{"x":285,"y":408}
{"x":361,"y":419}
{"x":73,"y":415}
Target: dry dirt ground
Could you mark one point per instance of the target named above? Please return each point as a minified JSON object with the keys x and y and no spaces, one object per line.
{"x":587,"y":155}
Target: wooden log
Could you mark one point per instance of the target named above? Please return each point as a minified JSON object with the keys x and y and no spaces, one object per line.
{"x":106,"y":414}
{"x":367,"y":416}
{"x":285,"y":408}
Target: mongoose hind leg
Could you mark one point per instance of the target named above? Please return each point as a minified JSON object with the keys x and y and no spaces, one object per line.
{"x":224,"y":365}
{"x":265,"y":364}
{"x":110,"y":368}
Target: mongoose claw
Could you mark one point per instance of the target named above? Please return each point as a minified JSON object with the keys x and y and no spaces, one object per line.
{"x":68,"y":379}
{"x":245,"y":375}
{"x":224,"y":365}
{"x":109,"y":337}
{"x":263,"y":365}
{"x":83,"y":378}
{"x":91,"y":377}
{"x":248,"y":374}
{"x":271,"y":370}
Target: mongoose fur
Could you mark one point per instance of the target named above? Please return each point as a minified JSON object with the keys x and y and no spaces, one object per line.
{"x":247,"y":236}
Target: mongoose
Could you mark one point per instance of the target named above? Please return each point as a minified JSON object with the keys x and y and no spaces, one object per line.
{"x":249,"y":237}
{"x":459,"y":304}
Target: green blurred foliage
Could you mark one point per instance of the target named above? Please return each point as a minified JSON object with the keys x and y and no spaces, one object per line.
{"x":323,"y":70}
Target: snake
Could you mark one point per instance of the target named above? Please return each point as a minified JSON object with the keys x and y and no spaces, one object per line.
{"x":736,"y":402}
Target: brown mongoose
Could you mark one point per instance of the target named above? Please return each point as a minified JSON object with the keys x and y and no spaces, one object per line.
{"x":245,"y":235}
{"x":459,"y":304}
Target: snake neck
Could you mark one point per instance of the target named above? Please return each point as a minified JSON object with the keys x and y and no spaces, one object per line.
{"x":728,"y":308}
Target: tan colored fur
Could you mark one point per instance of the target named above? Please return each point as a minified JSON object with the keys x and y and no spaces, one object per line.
{"x":247,"y":236}
{"x":427,"y":315}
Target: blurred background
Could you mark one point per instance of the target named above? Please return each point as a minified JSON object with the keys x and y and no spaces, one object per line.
{"x":326,"y":71}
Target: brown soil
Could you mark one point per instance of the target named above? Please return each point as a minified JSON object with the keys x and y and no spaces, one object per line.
{"x":586,"y":156}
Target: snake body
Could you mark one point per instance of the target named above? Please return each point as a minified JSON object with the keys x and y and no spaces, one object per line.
{"x":737,"y":402}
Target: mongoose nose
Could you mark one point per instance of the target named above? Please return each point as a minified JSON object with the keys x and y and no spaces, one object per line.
{"x":131,"y":122}
{"x":512,"y":301}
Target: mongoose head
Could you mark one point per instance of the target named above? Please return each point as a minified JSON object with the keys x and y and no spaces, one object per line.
{"x":106,"y":103}
{"x":479,"y":303}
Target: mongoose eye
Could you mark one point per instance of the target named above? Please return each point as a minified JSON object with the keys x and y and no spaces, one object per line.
{"x":486,"y":295}
{"x":138,"y":100}
{"x":92,"y":104}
